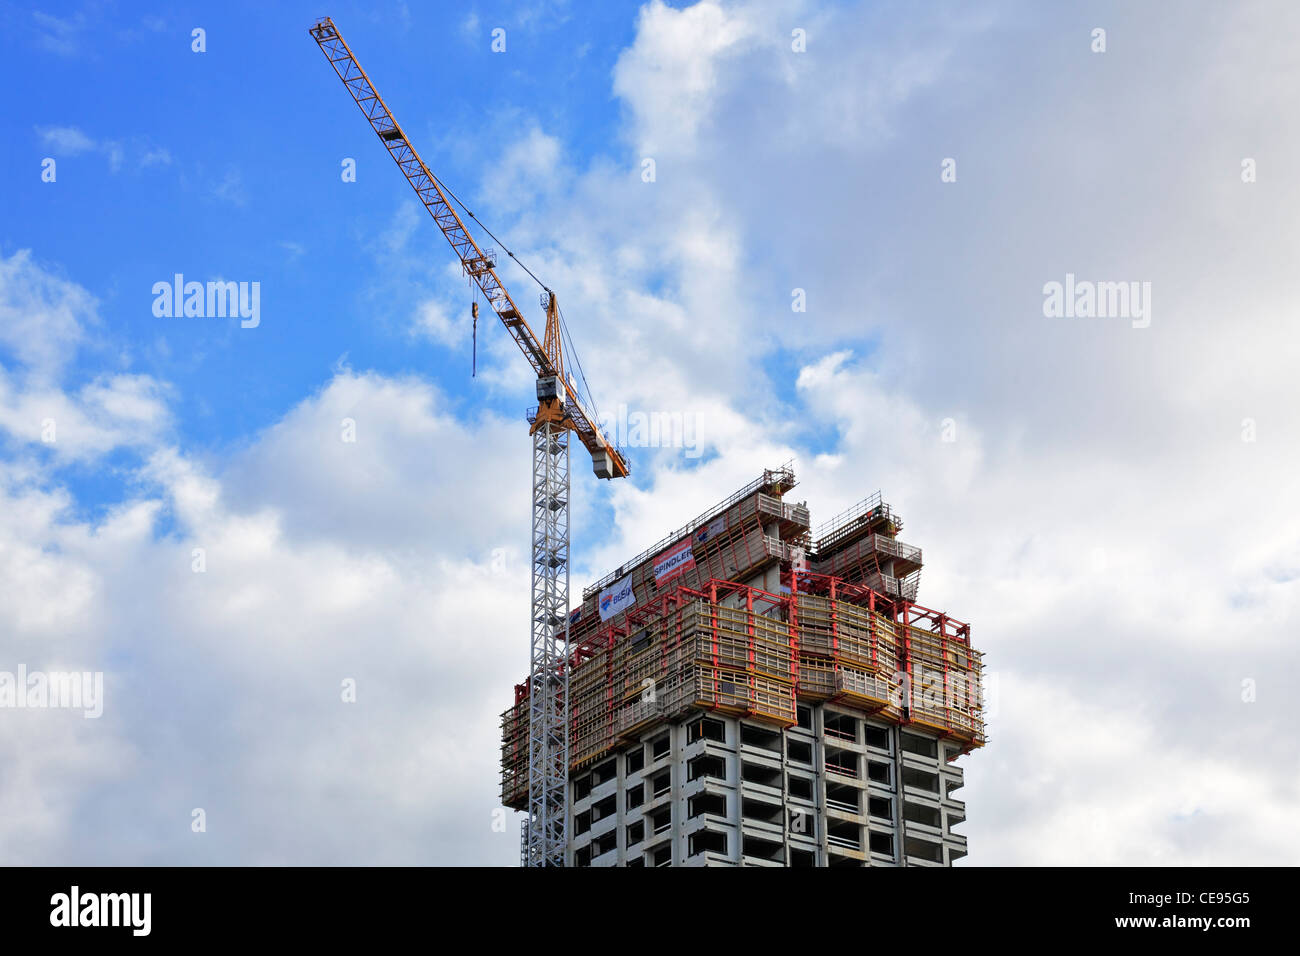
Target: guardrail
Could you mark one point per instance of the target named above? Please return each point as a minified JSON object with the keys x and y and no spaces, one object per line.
{"x":790,"y":512}
{"x":784,"y":475}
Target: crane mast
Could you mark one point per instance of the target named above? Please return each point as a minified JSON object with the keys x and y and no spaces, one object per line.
{"x":559,"y":412}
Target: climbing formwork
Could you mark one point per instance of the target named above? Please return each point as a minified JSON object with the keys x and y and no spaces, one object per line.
{"x":737,"y":614}
{"x":847,"y":651}
{"x":861,"y":545}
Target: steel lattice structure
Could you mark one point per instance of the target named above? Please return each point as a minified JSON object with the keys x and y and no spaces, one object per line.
{"x":478,"y":265}
{"x":559,"y":412}
{"x":548,"y":741}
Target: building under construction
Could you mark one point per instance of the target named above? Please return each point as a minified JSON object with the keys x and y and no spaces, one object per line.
{"x":744,"y":693}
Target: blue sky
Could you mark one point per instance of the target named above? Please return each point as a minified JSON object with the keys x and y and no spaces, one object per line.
{"x":1102,"y":501}
{"x":226,"y":164}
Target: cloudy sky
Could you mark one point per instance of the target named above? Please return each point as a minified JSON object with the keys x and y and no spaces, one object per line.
{"x":1109,"y":500}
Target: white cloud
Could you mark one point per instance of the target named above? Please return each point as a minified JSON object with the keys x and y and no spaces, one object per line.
{"x":433,"y":322}
{"x":66,"y":140}
{"x":1068,"y":516}
{"x":669,"y":77}
{"x":112,"y":411}
{"x":42,"y":316}
{"x":71,"y":141}
{"x":43,"y":322}
{"x":527,"y":168}
{"x":155,"y":156}
{"x":59,"y":34}
{"x":386,"y":488}
{"x":223,"y":688}
{"x":324,"y":561}
{"x":231,"y":188}
{"x":1124,"y":557}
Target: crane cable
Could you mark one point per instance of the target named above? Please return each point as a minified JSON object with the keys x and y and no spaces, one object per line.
{"x":582,"y":375}
{"x":564,"y":325}
{"x":447,"y":189}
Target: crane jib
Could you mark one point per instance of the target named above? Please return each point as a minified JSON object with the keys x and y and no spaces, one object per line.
{"x":606,"y":459}
{"x":544,"y":836}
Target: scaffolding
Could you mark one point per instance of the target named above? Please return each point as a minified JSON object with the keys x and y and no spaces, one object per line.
{"x":861,"y":545}
{"x":697,"y":639}
{"x":740,"y":650}
{"x":772,"y":484}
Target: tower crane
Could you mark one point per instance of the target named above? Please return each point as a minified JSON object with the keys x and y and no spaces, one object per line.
{"x":559,"y":412}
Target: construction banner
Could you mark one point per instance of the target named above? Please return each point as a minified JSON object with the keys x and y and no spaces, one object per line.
{"x":617,"y":598}
{"x":676,"y":560}
{"x":714,"y":529}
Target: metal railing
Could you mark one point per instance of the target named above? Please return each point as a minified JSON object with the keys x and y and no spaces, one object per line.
{"x":864,"y":685}
{"x":784,"y":475}
{"x":891,"y":586}
{"x":896,"y":548}
{"x":849,"y":516}
{"x":797,"y":513}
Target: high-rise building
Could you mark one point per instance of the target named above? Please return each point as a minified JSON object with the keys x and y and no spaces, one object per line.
{"x":744,"y":693}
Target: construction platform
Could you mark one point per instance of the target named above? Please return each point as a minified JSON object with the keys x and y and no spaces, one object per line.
{"x":744,"y":613}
